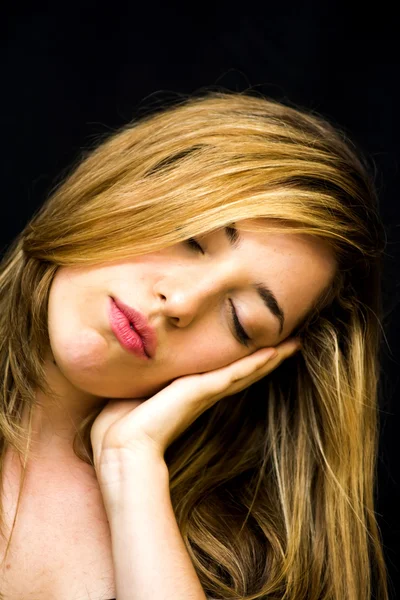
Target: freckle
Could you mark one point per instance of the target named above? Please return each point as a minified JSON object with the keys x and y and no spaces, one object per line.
{"x":8,"y":566}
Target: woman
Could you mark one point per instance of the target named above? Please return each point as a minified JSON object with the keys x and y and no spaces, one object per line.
{"x":151,"y":446}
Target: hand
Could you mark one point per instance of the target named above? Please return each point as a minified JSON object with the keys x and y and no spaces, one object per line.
{"x":151,"y":425}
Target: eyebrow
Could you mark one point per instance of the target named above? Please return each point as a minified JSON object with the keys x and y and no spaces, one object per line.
{"x":266,"y":295}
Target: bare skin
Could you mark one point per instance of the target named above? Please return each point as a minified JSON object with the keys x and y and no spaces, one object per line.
{"x":185,"y":296}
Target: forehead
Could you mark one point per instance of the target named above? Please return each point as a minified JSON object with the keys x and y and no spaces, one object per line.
{"x":296,"y":267}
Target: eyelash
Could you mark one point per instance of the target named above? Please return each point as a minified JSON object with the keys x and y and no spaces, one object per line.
{"x":240,"y":332}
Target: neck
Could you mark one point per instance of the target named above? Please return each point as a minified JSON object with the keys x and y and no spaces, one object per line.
{"x":56,"y":417}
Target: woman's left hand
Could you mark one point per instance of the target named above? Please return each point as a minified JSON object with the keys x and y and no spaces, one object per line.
{"x":134,"y":427}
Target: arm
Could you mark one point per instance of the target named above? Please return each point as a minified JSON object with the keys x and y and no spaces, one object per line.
{"x":150,"y":558}
{"x":129,"y":439}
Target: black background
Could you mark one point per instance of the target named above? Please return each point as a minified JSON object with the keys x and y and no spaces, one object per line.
{"x":72,"y":72}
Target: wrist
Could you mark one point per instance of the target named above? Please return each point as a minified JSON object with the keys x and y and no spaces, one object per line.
{"x":122,"y":473}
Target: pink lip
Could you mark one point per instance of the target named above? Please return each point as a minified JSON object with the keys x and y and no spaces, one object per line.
{"x":141,"y":341}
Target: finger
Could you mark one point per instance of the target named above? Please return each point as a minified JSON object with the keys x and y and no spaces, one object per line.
{"x":263,"y":359}
{"x":239,"y":375}
{"x":268,"y":362}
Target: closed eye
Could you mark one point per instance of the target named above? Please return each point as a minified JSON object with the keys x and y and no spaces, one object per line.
{"x":241,"y":335}
{"x":194,"y":245}
{"x":240,"y":332}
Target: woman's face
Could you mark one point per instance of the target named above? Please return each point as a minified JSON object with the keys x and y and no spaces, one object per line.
{"x":186,"y":296}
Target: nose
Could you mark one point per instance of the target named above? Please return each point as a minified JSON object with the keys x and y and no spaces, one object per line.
{"x":191,"y":297}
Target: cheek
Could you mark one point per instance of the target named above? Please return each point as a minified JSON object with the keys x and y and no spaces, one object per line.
{"x":206,"y":354}
{"x":77,"y":348}
{"x":81,"y":354}
{"x":80,"y":350}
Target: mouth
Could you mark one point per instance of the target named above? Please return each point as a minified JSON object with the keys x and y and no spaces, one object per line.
{"x":139,"y":323}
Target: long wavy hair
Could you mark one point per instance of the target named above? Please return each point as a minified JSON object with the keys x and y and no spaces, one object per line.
{"x":274,"y":493}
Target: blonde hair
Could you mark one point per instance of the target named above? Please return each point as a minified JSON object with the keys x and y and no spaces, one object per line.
{"x":274,"y":493}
